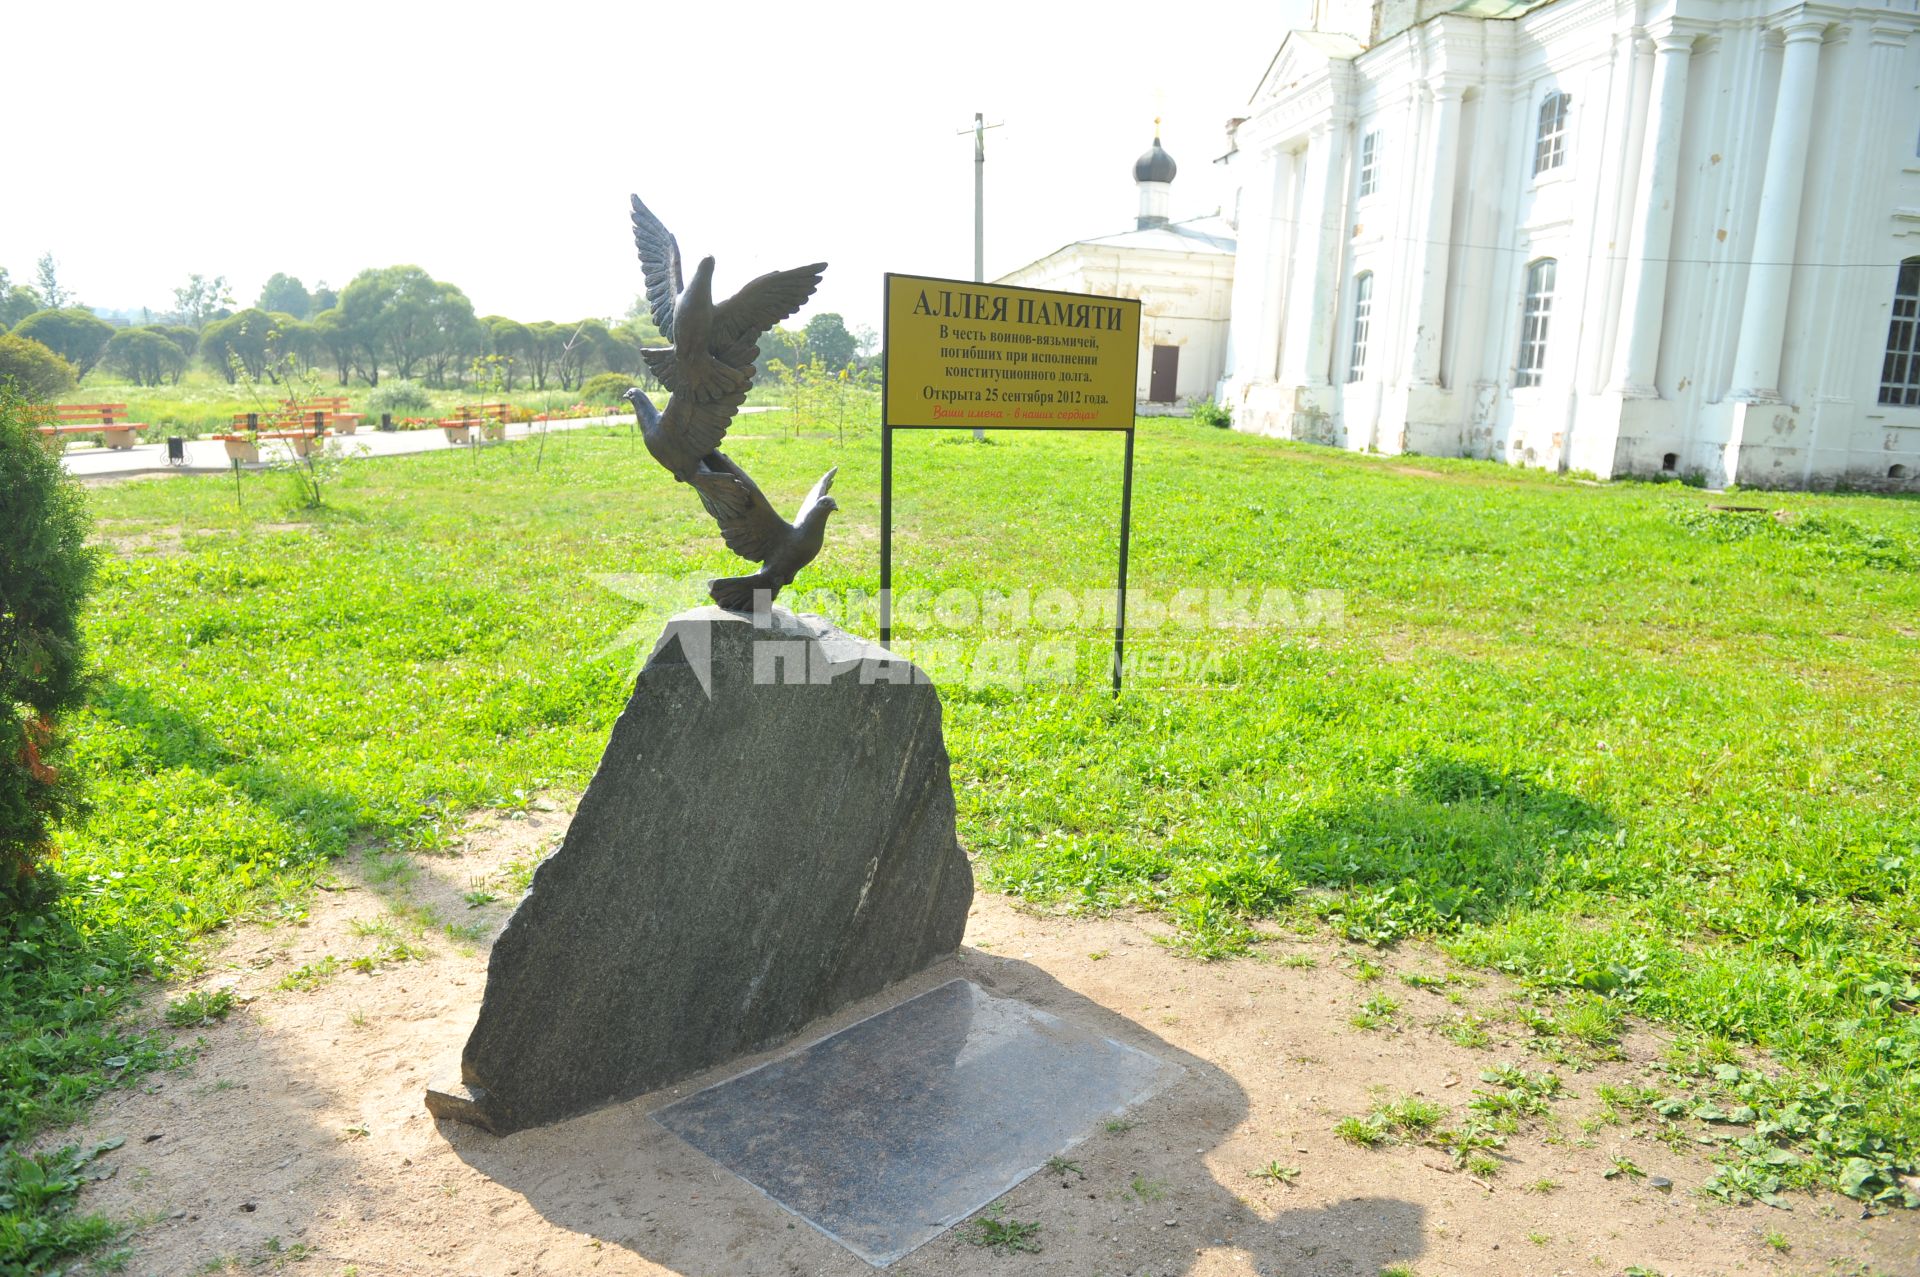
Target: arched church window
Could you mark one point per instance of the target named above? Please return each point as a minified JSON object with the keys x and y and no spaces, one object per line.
{"x":1370,"y":163}
{"x":1550,"y":140}
{"x":1362,"y":322}
{"x":1900,"y":370}
{"x":1534,"y":314}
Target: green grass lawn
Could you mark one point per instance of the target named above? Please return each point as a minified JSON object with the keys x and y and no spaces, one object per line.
{"x":204,"y":403}
{"x":1646,"y":756}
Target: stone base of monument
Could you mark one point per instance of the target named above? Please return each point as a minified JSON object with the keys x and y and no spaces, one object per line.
{"x":890,"y":1131}
{"x":769,"y":837}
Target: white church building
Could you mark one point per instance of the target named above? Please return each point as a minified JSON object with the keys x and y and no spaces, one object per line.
{"x":1181,"y":272}
{"x":1621,"y":236}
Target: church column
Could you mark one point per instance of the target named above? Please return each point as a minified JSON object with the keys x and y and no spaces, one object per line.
{"x":1306,"y":352}
{"x":1251,"y":213}
{"x":1763,"y":320}
{"x":1637,"y":354}
{"x":1277,"y":268}
{"x":1430,"y":308}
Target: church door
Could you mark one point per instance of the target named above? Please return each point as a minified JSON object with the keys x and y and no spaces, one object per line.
{"x":1166,"y":374}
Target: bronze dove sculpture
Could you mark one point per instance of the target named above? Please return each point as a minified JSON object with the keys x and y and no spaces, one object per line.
{"x":684,"y":436}
{"x":709,"y":369}
{"x":714,"y":346}
{"x":756,"y":533}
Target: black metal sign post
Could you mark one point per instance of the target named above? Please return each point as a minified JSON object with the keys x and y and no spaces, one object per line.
{"x":888,"y":426}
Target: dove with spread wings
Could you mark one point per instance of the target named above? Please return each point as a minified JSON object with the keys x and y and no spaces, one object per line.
{"x":709,"y":369}
{"x":757,"y":534}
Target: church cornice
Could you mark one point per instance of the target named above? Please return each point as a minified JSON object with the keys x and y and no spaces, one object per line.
{"x":1314,"y":80}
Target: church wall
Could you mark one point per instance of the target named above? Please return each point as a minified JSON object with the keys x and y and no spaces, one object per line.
{"x":1859,"y":216}
{"x":1185,"y":301}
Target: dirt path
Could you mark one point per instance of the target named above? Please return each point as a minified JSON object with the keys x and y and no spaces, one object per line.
{"x":299,"y":1136}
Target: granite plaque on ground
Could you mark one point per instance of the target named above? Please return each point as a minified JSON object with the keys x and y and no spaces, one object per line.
{"x":889,"y":1132}
{"x":770,"y":836}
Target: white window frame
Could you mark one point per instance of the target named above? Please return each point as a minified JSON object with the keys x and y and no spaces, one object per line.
{"x":1536,"y":312}
{"x":1900,"y":364}
{"x":1369,"y":162}
{"x":1362,"y":326}
{"x":1550,"y":132}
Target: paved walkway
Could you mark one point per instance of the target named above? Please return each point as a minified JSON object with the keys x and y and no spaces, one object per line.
{"x":209,"y":456}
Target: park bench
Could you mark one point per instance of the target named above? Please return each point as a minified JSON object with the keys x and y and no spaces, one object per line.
{"x":301,"y":432}
{"x":490,"y":419}
{"x":339,"y":420}
{"x":108,"y":420}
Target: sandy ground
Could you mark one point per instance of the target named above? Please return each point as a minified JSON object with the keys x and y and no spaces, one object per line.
{"x":298,"y":1138}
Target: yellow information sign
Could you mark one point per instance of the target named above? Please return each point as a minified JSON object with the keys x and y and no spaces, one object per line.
{"x":1005,"y":358}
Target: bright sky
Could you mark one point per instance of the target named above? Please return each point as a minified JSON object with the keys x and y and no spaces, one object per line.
{"x":494,"y":145}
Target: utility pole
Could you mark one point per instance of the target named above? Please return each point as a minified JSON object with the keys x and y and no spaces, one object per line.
{"x":979,"y":198}
{"x":980,"y":127}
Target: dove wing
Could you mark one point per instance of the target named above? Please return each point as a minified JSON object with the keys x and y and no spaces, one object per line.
{"x":739,"y":321}
{"x":696,"y":426}
{"x":661,"y":363}
{"x":747,"y":520}
{"x":820,"y":489}
{"x":660,"y":263}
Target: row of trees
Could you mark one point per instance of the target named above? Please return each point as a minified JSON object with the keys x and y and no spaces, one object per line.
{"x":394,"y":321}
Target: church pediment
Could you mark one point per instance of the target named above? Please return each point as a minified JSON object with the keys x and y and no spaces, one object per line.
{"x":1303,"y":57}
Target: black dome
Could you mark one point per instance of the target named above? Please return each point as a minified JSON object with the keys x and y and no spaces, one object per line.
{"x":1154,"y":165}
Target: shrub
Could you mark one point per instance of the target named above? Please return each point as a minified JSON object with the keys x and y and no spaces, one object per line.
{"x":187,"y":339}
{"x":400,"y":398}
{"x":1208,"y":413}
{"x":147,"y":355}
{"x":606,"y":387}
{"x":45,"y":570}
{"x":38,"y":373}
{"x":76,"y":335}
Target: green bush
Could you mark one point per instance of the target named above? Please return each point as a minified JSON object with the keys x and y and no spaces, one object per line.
{"x":46,"y":568}
{"x":38,"y":373}
{"x":400,"y":398}
{"x":76,"y":335}
{"x":606,"y":387}
{"x":1208,"y":413}
{"x":146,"y":355}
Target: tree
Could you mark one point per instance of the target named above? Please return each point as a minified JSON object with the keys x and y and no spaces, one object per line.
{"x":338,"y":340}
{"x":547,"y":343}
{"x":47,"y":275}
{"x":17,"y":301}
{"x":200,"y":298}
{"x":145,"y":354}
{"x":287,"y":295}
{"x":454,"y":336}
{"x":46,"y":569}
{"x":181,"y":336}
{"x":511,"y":341}
{"x":402,"y":316}
{"x":38,"y":372}
{"x":587,"y":343}
{"x":77,"y":336}
{"x":238,"y":343}
{"x":324,"y":298}
{"x":336,"y":337}
{"x":292,"y":340}
{"x":783,"y":344}
{"x":827,"y":337}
